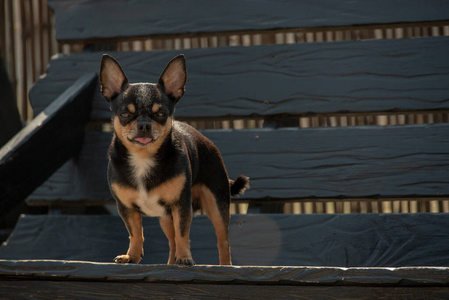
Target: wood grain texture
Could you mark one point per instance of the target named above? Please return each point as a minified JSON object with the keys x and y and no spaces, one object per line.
{"x":339,"y":162}
{"x":117,"y":290}
{"x":359,"y":76}
{"x":360,"y":240}
{"x":397,"y":161}
{"x":39,"y":149}
{"x":99,"y":19}
{"x":328,"y":242}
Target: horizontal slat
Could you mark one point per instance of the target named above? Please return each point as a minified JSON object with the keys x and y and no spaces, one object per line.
{"x":45,"y":144}
{"x":363,"y":76}
{"x":354,"y":240}
{"x":294,"y":163}
{"x":339,"y":162}
{"x":51,"y":288}
{"x":99,"y":19}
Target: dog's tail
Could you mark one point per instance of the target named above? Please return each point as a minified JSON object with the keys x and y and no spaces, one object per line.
{"x":239,"y":186}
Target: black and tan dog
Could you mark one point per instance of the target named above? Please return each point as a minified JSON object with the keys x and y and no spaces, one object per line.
{"x":162,"y":167}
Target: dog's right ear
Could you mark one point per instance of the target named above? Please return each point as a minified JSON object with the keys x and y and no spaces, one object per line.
{"x":112,"y":78}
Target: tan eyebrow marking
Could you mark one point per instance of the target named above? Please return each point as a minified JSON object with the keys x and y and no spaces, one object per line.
{"x":131,"y":108}
{"x":156,"y":107}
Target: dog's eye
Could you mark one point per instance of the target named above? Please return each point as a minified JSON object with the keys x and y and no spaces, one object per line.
{"x":161,"y":114}
{"x":125,"y":115}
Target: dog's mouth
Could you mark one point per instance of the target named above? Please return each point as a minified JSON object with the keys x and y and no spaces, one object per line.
{"x":143,"y":140}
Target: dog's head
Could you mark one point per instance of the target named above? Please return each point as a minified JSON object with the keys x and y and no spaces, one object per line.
{"x":143,"y":112}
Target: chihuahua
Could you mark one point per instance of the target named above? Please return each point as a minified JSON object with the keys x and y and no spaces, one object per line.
{"x":162,"y":167}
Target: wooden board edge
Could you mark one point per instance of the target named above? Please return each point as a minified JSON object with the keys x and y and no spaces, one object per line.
{"x":277,"y":275}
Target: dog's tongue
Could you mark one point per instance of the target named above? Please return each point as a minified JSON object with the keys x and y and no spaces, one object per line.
{"x":143,"y":140}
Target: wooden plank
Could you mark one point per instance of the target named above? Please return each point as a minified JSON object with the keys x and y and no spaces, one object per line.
{"x":39,"y":149}
{"x":276,"y":275}
{"x":340,"y":240}
{"x":357,"y":162}
{"x":69,"y":289}
{"x":358,"y":76}
{"x":402,"y":161}
{"x":97,"y":19}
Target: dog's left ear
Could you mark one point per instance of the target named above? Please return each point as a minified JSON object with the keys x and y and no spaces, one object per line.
{"x":174,"y":77}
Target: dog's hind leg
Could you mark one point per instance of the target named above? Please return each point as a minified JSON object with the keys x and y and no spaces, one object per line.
{"x":218,"y":212}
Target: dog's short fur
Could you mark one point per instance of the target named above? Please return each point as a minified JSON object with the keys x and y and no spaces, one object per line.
{"x":162,"y":167}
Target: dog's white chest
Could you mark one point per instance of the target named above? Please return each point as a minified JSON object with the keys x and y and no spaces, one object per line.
{"x":141,"y":167}
{"x":147,"y":201}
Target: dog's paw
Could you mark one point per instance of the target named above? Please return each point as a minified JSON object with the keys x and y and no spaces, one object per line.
{"x":185,"y":261}
{"x":126,"y":259}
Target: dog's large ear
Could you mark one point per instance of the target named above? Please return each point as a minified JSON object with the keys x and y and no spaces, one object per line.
{"x":174,"y":77}
{"x":112,"y":78}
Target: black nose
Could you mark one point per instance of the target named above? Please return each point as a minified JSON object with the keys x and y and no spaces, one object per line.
{"x":144,"y":126}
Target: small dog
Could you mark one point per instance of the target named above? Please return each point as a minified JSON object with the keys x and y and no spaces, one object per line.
{"x":162,"y":167}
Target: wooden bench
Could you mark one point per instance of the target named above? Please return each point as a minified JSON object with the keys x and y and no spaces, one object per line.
{"x":273,"y":88}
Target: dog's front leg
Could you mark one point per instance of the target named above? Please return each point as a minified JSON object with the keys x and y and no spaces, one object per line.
{"x":166,"y":223}
{"x":182,"y":218}
{"x":133,"y":223}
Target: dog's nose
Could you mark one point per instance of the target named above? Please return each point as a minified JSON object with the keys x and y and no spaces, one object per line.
{"x":144,"y":126}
